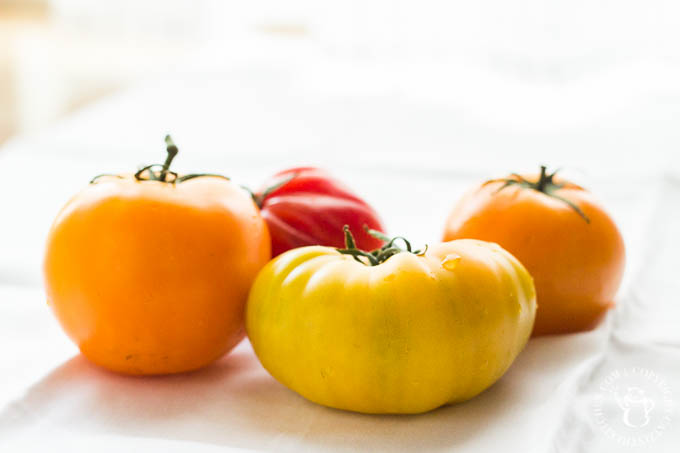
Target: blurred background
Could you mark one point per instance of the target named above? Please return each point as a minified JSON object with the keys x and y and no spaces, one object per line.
{"x":408,"y":101}
{"x":530,"y":65}
{"x":411,"y":102}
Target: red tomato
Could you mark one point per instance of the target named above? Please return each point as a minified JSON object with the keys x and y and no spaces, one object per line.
{"x":307,"y":206}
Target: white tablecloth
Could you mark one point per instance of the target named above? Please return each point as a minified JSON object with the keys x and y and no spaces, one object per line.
{"x":411,"y":140}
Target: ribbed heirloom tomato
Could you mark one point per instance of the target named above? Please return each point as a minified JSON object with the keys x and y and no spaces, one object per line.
{"x":149,"y":273}
{"x":566,"y":240}
{"x":392,"y":331}
{"x":307,"y":206}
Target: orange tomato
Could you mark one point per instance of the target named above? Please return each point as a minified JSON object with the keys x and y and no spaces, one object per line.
{"x":566,"y":240}
{"x":149,"y":273}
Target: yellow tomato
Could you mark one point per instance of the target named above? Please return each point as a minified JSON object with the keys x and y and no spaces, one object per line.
{"x":407,"y":335}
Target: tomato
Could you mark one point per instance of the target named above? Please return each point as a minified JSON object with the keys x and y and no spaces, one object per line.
{"x":149,"y":273}
{"x":393,"y":332}
{"x":566,"y":240}
{"x":306,"y":206}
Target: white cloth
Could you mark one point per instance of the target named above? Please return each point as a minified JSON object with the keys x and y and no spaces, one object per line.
{"x":410,"y":140}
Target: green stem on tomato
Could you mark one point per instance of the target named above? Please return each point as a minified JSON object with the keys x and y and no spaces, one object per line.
{"x":545,"y":184}
{"x":172,"y":151}
{"x":379,"y":255}
{"x":259,"y":199}
{"x":160,"y":172}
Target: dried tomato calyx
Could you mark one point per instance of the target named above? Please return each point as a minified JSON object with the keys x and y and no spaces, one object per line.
{"x":545,"y":184}
{"x":161,"y":172}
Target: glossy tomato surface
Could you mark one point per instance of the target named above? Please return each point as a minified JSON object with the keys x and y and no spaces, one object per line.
{"x":408,"y":335}
{"x":151,"y":277}
{"x":307,"y":206}
{"x":564,"y":237}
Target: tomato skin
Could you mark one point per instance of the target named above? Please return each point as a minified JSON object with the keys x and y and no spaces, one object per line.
{"x":406,"y":336}
{"x":577,"y":265}
{"x":148,"y":277}
{"x":311,"y":208}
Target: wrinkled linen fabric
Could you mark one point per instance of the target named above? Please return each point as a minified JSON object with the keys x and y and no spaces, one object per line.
{"x":411,"y":154}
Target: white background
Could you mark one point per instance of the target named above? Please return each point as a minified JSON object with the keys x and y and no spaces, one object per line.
{"x":410,"y":103}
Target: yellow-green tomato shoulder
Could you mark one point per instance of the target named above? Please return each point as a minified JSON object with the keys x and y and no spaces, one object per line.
{"x":405,"y":336}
